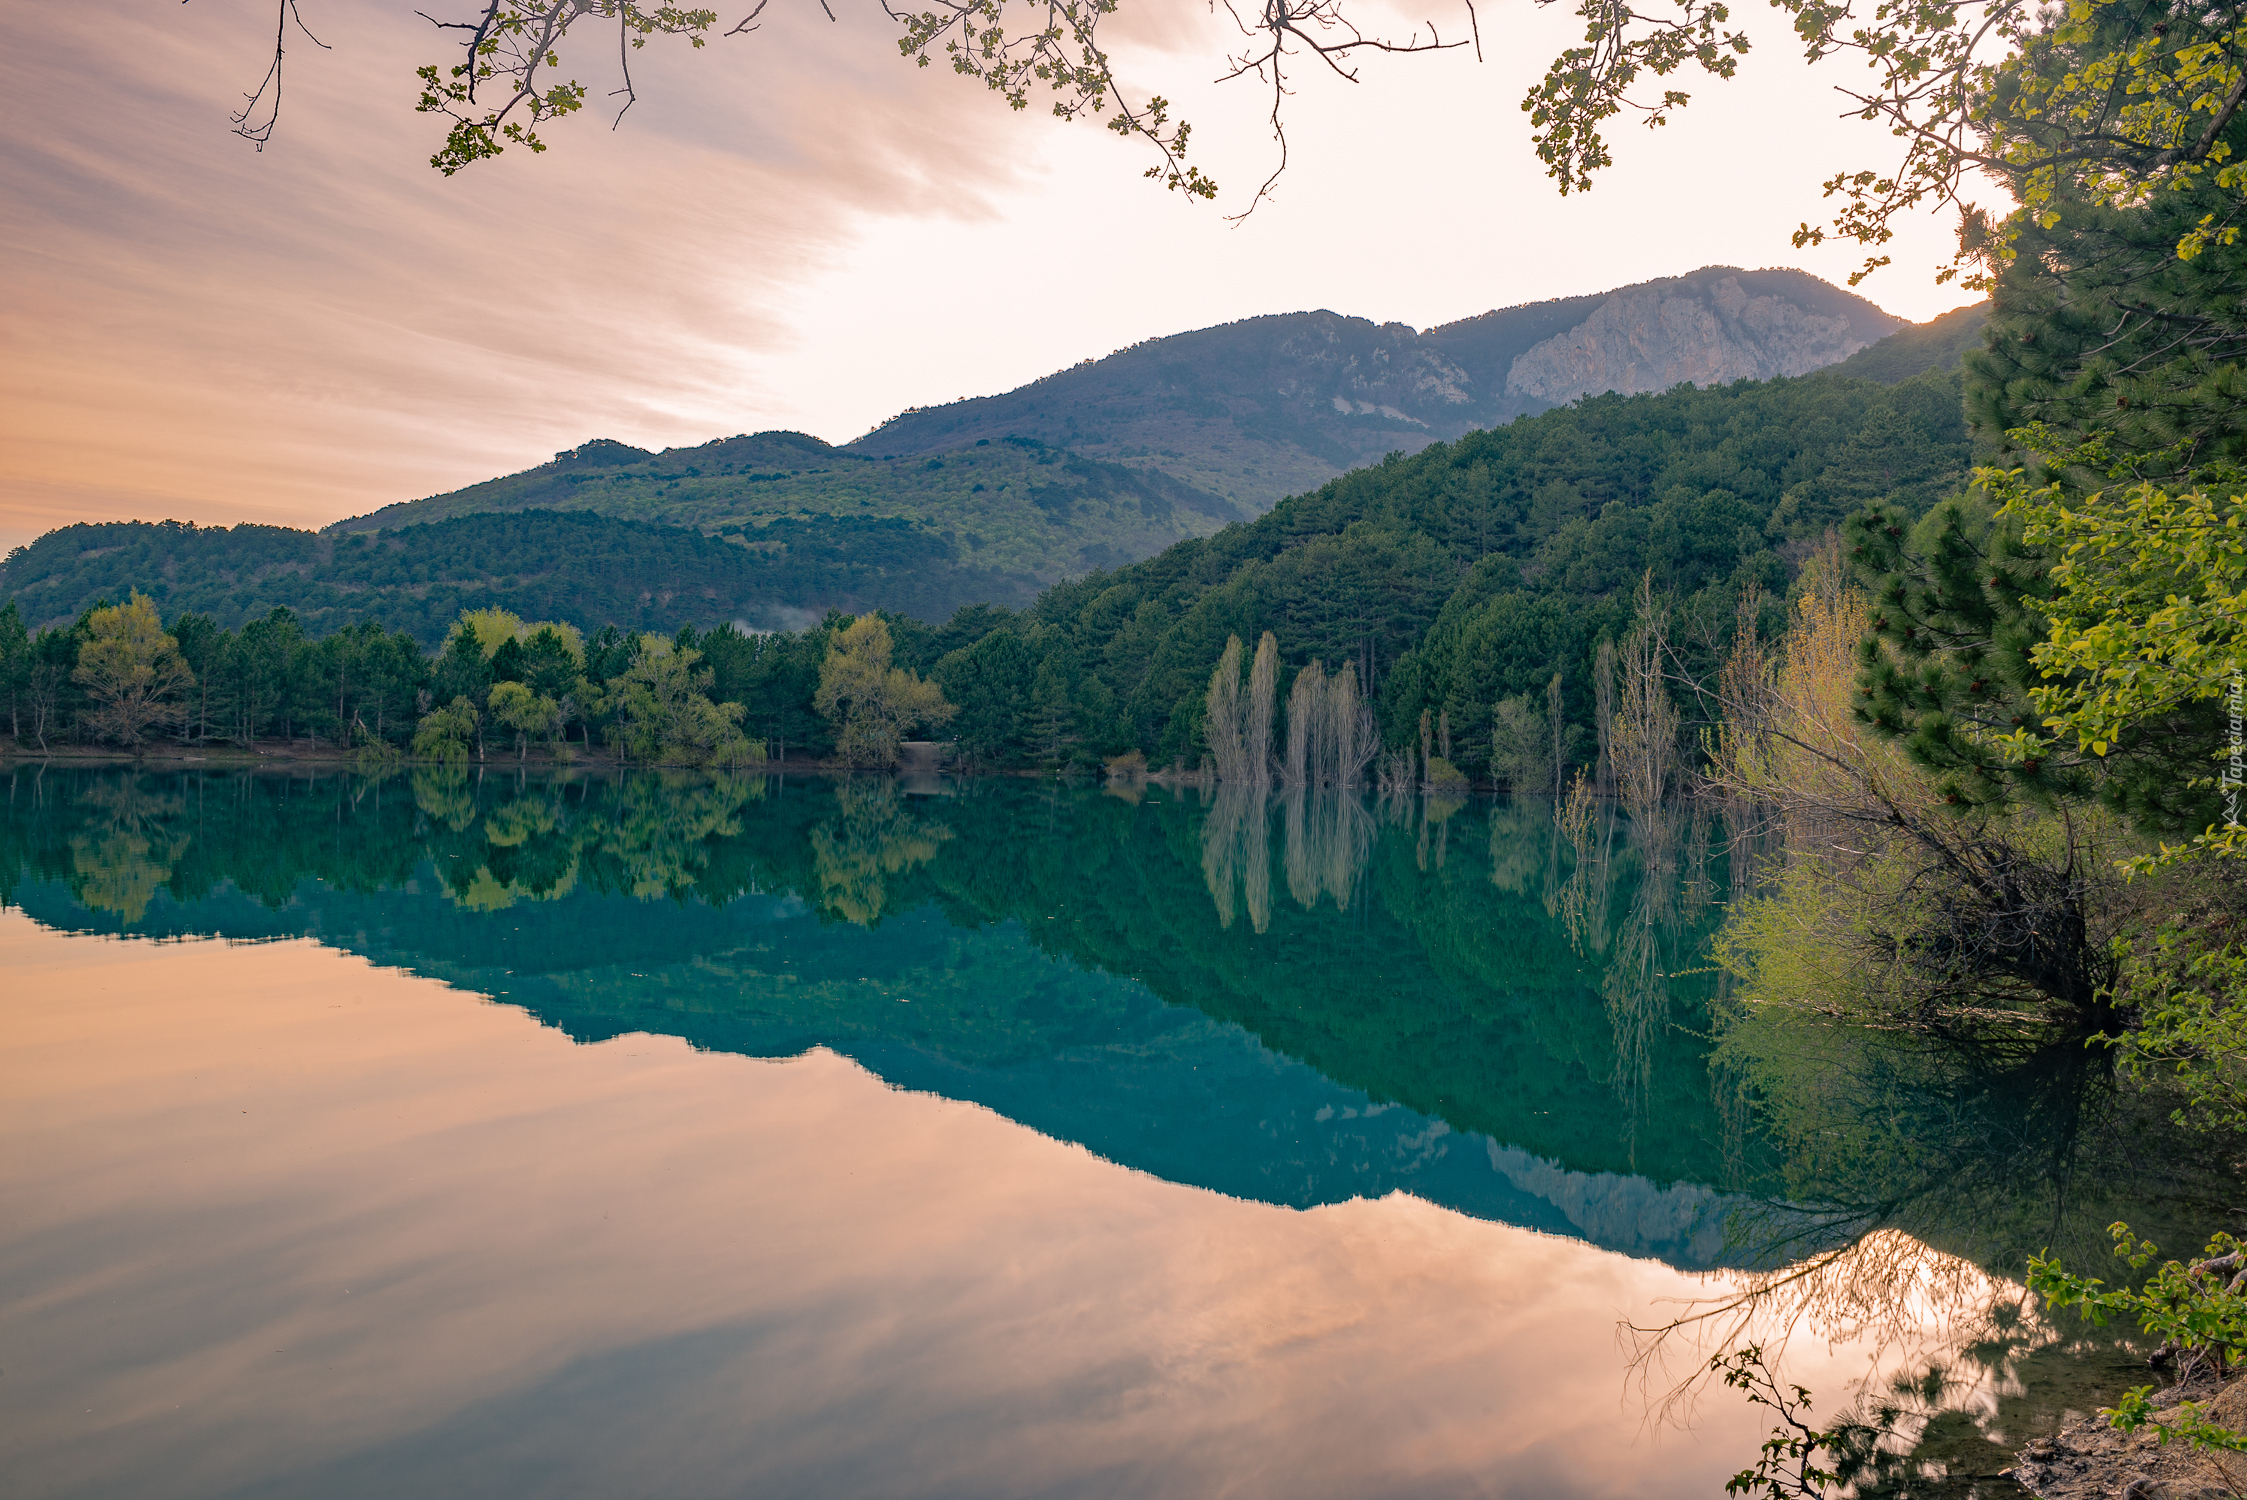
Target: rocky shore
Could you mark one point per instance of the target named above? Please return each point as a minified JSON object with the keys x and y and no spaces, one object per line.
{"x":2092,"y":1461}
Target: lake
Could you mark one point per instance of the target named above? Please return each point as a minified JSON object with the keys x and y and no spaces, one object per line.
{"x":470,"y":1133}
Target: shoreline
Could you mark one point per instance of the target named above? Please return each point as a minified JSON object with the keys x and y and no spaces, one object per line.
{"x":275,"y":754}
{"x":2092,"y":1461}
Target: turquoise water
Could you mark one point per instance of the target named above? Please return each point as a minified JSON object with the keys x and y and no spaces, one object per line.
{"x":1314,"y":1008}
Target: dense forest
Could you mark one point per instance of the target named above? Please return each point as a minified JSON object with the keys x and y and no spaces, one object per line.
{"x":1467,"y":574}
{"x":587,"y":568}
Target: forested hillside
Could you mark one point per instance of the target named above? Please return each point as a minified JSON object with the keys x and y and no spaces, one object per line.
{"x":1453,"y":579}
{"x":576,"y":566}
{"x":1116,"y":458}
{"x":1015,"y":508}
{"x":1472,"y":571}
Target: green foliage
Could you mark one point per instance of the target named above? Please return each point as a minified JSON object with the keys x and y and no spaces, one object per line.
{"x":1956,"y":669}
{"x":131,"y":670}
{"x":2189,"y":1030}
{"x":663,"y":715}
{"x":1937,"y":344}
{"x":511,"y":49}
{"x":2189,"y":1422}
{"x":1444,"y":778}
{"x":445,"y":734}
{"x":1474,"y":570}
{"x":572,"y":566}
{"x":1788,"y":1463}
{"x":1451,"y":581}
{"x":2099,"y":333}
{"x":525,"y":711}
{"x":2197,"y":1311}
{"x":2145,"y":638}
{"x":2093,"y":102}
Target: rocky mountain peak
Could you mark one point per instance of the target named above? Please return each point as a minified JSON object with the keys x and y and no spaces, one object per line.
{"x":1707,"y":329}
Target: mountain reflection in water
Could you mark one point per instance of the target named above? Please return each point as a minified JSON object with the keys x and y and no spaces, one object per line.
{"x":1071,"y":960}
{"x":1298,"y":998}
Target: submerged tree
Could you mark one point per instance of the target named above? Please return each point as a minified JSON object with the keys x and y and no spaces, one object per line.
{"x":1331,"y":736}
{"x":1305,"y":710}
{"x":1645,"y":729}
{"x":1237,"y":729}
{"x":1256,"y":718}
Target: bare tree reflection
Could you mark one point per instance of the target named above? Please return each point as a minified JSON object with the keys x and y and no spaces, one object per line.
{"x":1329,"y":845}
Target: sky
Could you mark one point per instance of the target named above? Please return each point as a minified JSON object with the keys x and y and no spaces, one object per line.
{"x":792,"y":228}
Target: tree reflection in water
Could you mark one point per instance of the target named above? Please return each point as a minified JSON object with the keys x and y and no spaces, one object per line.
{"x":124,"y":854}
{"x":1329,"y":844}
{"x":1553,"y":1006}
{"x":872,"y":839}
{"x":1920,"y":1174}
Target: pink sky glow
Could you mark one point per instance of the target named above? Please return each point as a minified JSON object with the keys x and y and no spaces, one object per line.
{"x":792,"y":229}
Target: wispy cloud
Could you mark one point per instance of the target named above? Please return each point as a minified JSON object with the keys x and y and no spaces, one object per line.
{"x":330,"y":325}
{"x":794,"y":228}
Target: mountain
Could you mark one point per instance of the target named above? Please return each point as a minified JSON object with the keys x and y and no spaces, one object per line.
{"x":1268,"y":407}
{"x":763,"y":528}
{"x":1117,"y":458}
{"x":1014,"y":507}
{"x":1933,"y":345}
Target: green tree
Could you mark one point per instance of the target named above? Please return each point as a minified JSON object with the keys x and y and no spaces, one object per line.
{"x":2146,"y":644}
{"x":268,"y":662}
{"x":985,"y":681}
{"x":551,"y":662}
{"x":508,"y":663}
{"x":208,"y":652}
{"x":15,"y":665}
{"x":526,"y":712}
{"x":463,"y":671}
{"x":446,"y":733}
{"x":872,"y":704}
{"x":663,"y":713}
{"x":48,"y":681}
{"x":1050,"y":723}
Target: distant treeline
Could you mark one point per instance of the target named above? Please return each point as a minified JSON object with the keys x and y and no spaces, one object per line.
{"x":568,"y":565}
{"x":1459,"y":578}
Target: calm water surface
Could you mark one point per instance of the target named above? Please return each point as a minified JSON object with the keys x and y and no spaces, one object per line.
{"x":679,"y":1136}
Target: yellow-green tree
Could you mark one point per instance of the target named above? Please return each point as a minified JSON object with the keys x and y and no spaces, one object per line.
{"x":871,"y":703}
{"x":664,"y":713}
{"x":131,"y":670}
{"x":444,"y":734}
{"x":524,"y":711}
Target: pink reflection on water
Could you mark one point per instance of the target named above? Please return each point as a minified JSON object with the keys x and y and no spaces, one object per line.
{"x":283,"y":1222}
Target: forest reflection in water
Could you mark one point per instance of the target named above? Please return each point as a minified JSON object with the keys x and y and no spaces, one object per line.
{"x":1545,"y":1001}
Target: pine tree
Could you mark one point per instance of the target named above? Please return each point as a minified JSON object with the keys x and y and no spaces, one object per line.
{"x":2109,"y":359}
{"x":2099,"y":327}
{"x":1948,"y":669}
